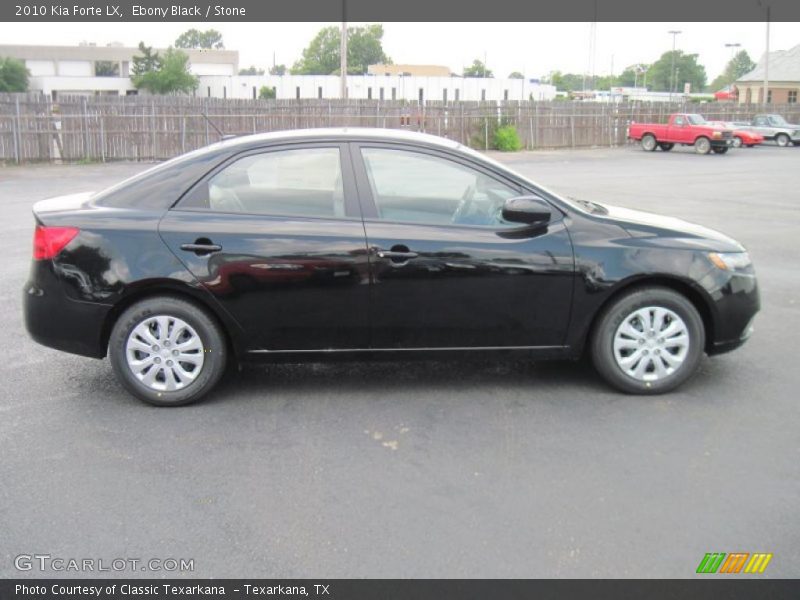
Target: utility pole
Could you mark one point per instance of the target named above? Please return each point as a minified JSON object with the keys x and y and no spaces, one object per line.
{"x":343,"y":52}
{"x":766,"y":64}
{"x":674,"y":33}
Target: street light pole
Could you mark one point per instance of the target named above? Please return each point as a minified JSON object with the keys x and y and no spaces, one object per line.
{"x":674,"y":33}
{"x":343,"y":57}
{"x":766,"y":64}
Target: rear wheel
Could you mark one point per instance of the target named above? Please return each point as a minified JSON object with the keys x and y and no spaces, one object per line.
{"x":702,"y":145}
{"x":649,"y":341}
{"x":167,"y":351}
{"x":666,"y":146}
{"x":737,"y":142}
{"x":782,"y":140}
{"x":720,"y":149}
{"x":649,"y":142}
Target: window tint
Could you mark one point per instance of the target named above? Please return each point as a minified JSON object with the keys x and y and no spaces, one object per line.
{"x":420,"y":188}
{"x":302,"y":182}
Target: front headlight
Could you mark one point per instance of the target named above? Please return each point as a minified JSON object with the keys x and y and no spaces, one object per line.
{"x":730,"y":261}
{"x":716,"y":134}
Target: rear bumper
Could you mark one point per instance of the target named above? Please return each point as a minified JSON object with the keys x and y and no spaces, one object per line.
{"x":54,"y":320}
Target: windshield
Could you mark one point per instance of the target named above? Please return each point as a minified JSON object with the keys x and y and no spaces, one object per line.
{"x":777,"y":120}
{"x":696,"y":119}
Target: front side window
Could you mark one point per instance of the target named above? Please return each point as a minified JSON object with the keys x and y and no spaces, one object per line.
{"x":414,"y":187}
{"x":302,"y":182}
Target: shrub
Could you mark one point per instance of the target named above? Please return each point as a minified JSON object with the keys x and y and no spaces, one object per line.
{"x":507,"y":139}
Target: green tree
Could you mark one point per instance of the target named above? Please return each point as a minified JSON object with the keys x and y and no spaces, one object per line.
{"x":569,"y":82}
{"x":106,"y":68}
{"x":633,"y":75}
{"x":148,"y":62}
{"x":266,"y":93}
{"x":516,"y":75}
{"x":687,"y":69}
{"x":171,"y":76}
{"x":739,"y":65}
{"x":13,"y":75}
{"x":278,"y":70}
{"x":322,"y":55}
{"x":194,"y":38}
{"x":477,"y":69}
{"x":251,"y":70}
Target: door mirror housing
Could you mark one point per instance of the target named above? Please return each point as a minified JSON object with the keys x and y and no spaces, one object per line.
{"x":530,"y":210}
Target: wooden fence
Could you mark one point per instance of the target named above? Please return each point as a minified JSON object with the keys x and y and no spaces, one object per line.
{"x":100,"y":128}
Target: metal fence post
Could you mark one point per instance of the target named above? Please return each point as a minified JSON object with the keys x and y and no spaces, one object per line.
{"x":15,"y":123}
{"x":102,"y":138}
{"x":85,"y":129}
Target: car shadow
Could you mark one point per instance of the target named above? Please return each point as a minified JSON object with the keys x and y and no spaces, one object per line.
{"x":416,"y":376}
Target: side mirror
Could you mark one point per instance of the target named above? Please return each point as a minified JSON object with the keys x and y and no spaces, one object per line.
{"x":526,"y":209}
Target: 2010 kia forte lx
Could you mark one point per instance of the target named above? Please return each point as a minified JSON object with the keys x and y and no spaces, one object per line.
{"x":357,"y":243}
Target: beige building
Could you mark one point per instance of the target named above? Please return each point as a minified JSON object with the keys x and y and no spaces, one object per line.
{"x":409,"y":70}
{"x":91,"y":69}
{"x":783,"y":86}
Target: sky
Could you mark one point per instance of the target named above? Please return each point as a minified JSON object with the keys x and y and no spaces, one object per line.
{"x":534,"y":49}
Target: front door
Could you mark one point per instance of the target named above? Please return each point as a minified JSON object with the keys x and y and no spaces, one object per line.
{"x":447,"y":271}
{"x":276,"y":236}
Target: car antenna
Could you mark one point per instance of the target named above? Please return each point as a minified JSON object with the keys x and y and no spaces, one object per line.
{"x":224,"y":136}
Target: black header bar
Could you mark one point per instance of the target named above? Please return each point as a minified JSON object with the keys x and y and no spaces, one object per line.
{"x":399,"y":10}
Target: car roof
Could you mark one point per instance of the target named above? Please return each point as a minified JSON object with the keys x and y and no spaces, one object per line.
{"x":343,"y":133}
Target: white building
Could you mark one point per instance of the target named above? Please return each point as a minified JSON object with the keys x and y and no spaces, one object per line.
{"x":376,"y":87}
{"x":73,"y":69}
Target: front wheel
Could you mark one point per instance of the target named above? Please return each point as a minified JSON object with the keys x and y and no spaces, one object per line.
{"x":737,"y":142}
{"x":782,"y":140}
{"x":166,"y":351}
{"x":649,"y":142}
{"x":649,"y":341}
{"x":702,"y":145}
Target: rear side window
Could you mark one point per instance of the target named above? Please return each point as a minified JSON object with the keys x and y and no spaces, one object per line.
{"x":297,"y":182}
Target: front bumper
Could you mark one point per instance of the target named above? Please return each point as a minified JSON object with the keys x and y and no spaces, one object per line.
{"x":736,"y":303}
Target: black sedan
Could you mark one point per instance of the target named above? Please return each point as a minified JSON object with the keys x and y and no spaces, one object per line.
{"x":365,"y":243}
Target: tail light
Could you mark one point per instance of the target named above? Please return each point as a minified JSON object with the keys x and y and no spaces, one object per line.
{"x":49,"y":241}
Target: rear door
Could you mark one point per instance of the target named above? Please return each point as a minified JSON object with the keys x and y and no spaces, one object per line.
{"x":447,"y":271}
{"x":276,"y":236}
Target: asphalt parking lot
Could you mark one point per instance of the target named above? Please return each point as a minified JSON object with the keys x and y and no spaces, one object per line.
{"x":425,"y":469}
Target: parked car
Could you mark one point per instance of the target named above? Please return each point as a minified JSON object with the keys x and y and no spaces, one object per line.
{"x":742,"y":134}
{"x":364,"y":243}
{"x":685,"y":129}
{"x":775,"y":127}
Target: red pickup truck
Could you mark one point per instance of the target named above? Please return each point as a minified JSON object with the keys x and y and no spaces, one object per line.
{"x":685,"y":129}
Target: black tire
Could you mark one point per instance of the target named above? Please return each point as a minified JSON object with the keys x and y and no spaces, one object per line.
{"x":737,"y":142}
{"x":602,"y":340}
{"x":720,"y":149}
{"x":782,"y":140}
{"x":649,"y":142}
{"x":666,"y":146}
{"x":214,"y":350}
{"x":702,"y":145}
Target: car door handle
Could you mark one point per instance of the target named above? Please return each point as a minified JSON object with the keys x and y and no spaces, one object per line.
{"x":202,"y":248}
{"x":396,"y":255}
